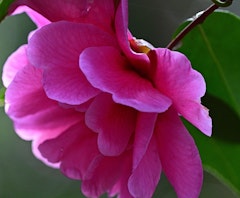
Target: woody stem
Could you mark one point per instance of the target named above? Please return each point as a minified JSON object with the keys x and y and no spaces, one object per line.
{"x":198,"y":20}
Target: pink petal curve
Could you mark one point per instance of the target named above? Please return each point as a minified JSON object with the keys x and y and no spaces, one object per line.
{"x":179,"y":155}
{"x":15,"y":62}
{"x":144,"y":179}
{"x":81,"y":11}
{"x":139,"y":60}
{"x":115,"y":124}
{"x":103,"y":174}
{"x":55,"y":48}
{"x":121,"y":187}
{"x":143,"y":134}
{"x":37,"y":18}
{"x":71,"y":149}
{"x":175,"y":78}
{"x":41,"y":115}
{"x":106,"y":69}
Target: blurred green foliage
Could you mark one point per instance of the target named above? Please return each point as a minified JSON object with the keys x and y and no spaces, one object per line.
{"x":4,"y":4}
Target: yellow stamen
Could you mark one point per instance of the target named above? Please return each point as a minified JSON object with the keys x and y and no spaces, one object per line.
{"x":140,"y":45}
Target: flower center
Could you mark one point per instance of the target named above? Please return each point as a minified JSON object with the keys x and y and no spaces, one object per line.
{"x":140,"y":45}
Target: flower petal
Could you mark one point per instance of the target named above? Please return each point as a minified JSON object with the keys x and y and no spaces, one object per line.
{"x":144,"y":131}
{"x":145,"y":177}
{"x":82,"y":11}
{"x":121,"y":187}
{"x":32,"y":112}
{"x":72,"y":150}
{"x":55,"y":49}
{"x":14,"y":63}
{"x":108,"y":71}
{"x":179,"y":155}
{"x":185,"y":86}
{"x":139,"y":60}
{"x":37,"y":18}
{"x":114,"y":123}
{"x":39,"y":119}
{"x":103,"y":174}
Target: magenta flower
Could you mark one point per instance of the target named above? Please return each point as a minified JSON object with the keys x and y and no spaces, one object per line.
{"x":103,"y":106}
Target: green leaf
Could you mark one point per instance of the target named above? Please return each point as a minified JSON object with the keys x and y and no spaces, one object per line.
{"x":220,"y":153}
{"x":2,"y":95}
{"x":213,"y":48}
{"x":4,"y":5}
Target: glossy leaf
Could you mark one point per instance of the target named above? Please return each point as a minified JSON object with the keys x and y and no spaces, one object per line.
{"x":213,"y":48}
{"x":4,"y":4}
{"x":220,"y":153}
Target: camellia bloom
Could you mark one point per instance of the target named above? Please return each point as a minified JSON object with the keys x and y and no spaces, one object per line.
{"x":103,"y":106}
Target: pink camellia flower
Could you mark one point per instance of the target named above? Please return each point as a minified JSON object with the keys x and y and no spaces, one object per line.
{"x":103,"y":106}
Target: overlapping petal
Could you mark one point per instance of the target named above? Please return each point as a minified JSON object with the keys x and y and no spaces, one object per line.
{"x":56,"y":49}
{"x":175,"y":78}
{"x":139,"y":60}
{"x":41,"y":115}
{"x":145,"y":176}
{"x":14,"y":63}
{"x":81,"y":11}
{"x":179,"y":155}
{"x":106,"y":69}
{"x":102,"y":175}
{"x":74,"y":149}
{"x":115,"y":124}
{"x":37,"y":18}
{"x":143,"y":135}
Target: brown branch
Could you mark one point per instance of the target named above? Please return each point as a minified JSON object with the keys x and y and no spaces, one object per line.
{"x":199,"y":19}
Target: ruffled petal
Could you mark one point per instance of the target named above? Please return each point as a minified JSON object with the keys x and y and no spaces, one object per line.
{"x":145,"y":177}
{"x":68,"y":86}
{"x":140,"y":61}
{"x":14,"y":63}
{"x":82,"y":11}
{"x":103,"y":174}
{"x":32,"y":112}
{"x":107,"y":70}
{"x":175,"y":78}
{"x":71,"y":149}
{"x":121,"y":187}
{"x":179,"y":155}
{"x":55,"y":49}
{"x":114,"y":123}
{"x":143,"y":134}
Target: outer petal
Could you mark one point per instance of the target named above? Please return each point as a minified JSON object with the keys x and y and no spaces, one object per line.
{"x":145,"y":177}
{"x":108,"y":71}
{"x":175,"y":78}
{"x":179,"y":155}
{"x":114,"y":123}
{"x":14,"y":63}
{"x":139,"y":60}
{"x":75,"y":149}
{"x":102,"y":175}
{"x":144,"y":131}
{"x":32,"y":112}
{"x":35,"y":116}
{"x":37,"y":18}
{"x":121,"y":187}
{"x":56,"y":48}
{"x":83,"y":11}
